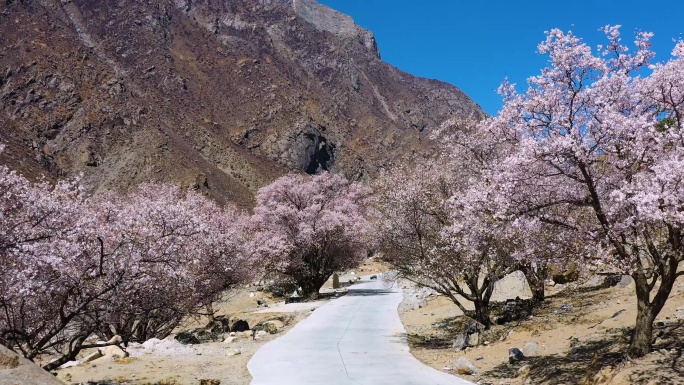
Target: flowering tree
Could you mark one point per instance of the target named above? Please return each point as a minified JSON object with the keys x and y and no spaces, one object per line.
{"x":600,"y":154}
{"x":442,"y":235}
{"x":306,"y":228}
{"x":175,"y":251}
{"x":46,"y":284}
{"x":129,"y":265}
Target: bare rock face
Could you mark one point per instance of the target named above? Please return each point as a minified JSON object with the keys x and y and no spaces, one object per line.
{"x":18,"y":370}
{"x":223,"y":96}
{"x":339,"y":24}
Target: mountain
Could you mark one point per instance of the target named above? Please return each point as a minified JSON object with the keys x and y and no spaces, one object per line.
{"x":221,"y":95}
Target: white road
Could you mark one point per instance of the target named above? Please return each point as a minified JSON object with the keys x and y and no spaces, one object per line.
{"x":354,"y":340}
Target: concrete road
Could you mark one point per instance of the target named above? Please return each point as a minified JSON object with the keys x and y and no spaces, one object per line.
{"x":354,"y":340}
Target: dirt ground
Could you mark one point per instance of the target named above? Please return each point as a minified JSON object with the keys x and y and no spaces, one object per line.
{"x":583,"y":343}
{"x":168,"y":362}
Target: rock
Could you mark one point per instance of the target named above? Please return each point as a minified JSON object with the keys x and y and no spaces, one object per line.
{"x":229,"y":340}
{"x":473,"y":339}
{"x":8,"y":361}
{"x":187,"y":338}
{"x":463,"y":366}
{"x":524,"y":370}
{"x":530,"y":349}
{"x":272,"y":326}
{"x":199,"y":336}
{"x":210,"y":382}
{"x":515,"y":355}
{"x":234,"y":352}
{"x":239,"y":326}
{"x":18,"y":370}
{"x":233,"y":334}
{"x":261,"y":333}
{"x":92,"y":357}
{"x":113,"y":351}
{"x":460,"y":342}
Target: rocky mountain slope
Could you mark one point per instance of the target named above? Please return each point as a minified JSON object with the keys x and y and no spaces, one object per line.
{"x":222,"y":95}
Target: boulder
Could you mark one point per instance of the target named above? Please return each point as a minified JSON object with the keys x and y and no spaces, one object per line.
{"x":113,"y":351}
{"x":515,"y":355}
{"x":473,"y":339}
{"x":229,"y":340}
{"x":463,"y":366}
{"x":272,"y":326}
{"x":460,"y":342}
{"x":92,"y":356}
{"x":18,"y":370}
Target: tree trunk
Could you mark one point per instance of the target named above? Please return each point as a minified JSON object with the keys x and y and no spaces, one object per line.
{"x":62,"y":360}
{"x":641,"y":342}
{"x":310,"y":287}
{"x":647,"y":309}
{"x":482,"y":313}
{"x":535,"y":279}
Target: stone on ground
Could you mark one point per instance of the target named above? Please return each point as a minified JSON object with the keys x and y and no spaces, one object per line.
{"x":463,"y":366}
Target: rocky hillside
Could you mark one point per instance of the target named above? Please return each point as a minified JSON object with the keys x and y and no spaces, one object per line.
{"x":222,"y":95}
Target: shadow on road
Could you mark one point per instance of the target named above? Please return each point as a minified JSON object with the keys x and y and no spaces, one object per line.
{"x":368,"y":292}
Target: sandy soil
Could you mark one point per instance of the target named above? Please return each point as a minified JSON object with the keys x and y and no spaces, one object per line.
{"x":168,"y":362}
{"x":583,"y":345}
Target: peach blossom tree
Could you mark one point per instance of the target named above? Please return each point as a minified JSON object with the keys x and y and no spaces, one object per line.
{"x":305,"y":228}
{"x":599,"y":153}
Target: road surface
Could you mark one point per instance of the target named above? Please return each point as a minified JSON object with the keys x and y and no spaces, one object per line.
{"x":354,"y":340}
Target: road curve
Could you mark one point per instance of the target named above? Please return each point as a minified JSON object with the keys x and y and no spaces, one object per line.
{"x":354,"y":340}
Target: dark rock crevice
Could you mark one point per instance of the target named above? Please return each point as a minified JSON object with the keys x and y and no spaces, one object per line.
{"x":319,"y":154}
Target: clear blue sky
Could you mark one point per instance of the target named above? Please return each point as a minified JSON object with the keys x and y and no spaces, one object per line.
{"x":474,"y":44}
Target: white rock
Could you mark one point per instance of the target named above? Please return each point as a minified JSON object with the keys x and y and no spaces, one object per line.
{"x":113,"y":351}
{"x":463,"y":366}
{"x":92,"y":357}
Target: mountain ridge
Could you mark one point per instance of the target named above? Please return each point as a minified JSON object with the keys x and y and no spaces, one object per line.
{"x":222,"y":96}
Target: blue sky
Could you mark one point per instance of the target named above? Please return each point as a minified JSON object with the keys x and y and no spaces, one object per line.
{"x":474,"y":44}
